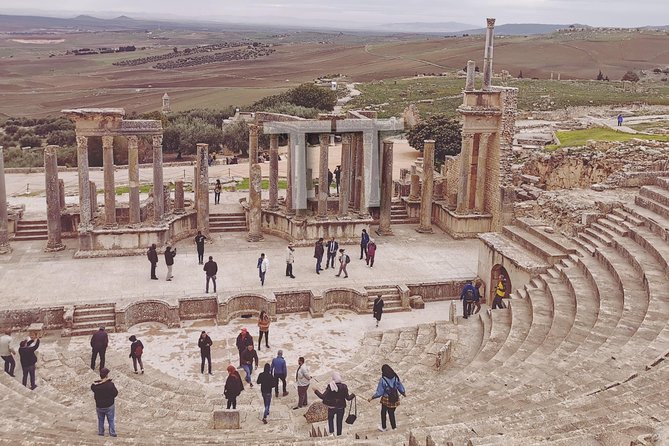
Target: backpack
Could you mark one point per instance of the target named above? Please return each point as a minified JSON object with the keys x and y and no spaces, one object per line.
{"x":348,"y":259}
{"x":469,"y":295}
{"x":393,"y":394}
{"x":139,"y":350}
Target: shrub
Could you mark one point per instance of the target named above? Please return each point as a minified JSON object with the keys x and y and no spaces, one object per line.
{"x":446,"y":133}
{"x":631,"y":76}
{"x":30,"y":141}
{"x":63,"y":138}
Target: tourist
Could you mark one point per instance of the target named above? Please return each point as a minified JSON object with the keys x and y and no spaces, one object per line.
{"x":318,"y":254}
{"x":337,"y":175}
{"x":152,"y":254}
{"x":7,"y":352}
{"x":205,"y":344}
{"x":389,"y":389}
{"x":477,"y":302}
{"x":344,"y":260}
{"x":199,"y":244}
{"x":468,"y":297}
{"x":136,"y":351}
{"x":210,"y":269}
{"x":332,"y":248}
{"x":169,"y":261}
{"x":244,"y":339}
{"x":364,"y":240}
{"x":330,"y":178}
{"x":263,"y":328}
{"x":290,"y":259}
{"x":263,"y":263}
{"x":500,"y":293}
{"x":104,"y":392}
{"x":302,"y":379}
{"x":280,"y":372}
{"x":377,"y":309}
{"x":335,"y":397}
{"x":371,"y":252}
{"x":249,"y":356}
{"x":620,"y":120}
{"x":99,"y":342}
{"x":28,"y":360}
{"x":217,"y":192}
{"x":233,"y":387}
{"x":267,"y":382}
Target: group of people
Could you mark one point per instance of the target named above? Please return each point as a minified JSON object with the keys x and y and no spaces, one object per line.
{"x":27,"y":357}
{"x":471,"y":295}
{"x":331,"y":248}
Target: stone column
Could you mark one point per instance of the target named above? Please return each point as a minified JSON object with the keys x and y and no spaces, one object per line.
{"x":54,"y":242}
{"x":345,"y":179}
{"x":465,"y":166}
{"x":487,"y":58}
{"x":179,"y":197}
{"x":478,"y":176}
{"x":290,"y":210}
{"x":253,"y":145}
{"x":323,"y":186}
{"x":414,"y":188}
{"x":202,"y":196}
{"x":471,"y":75}
{"x":425,"y":225}
{"x":84,"y":186}
{"x":386,"y":189}
{"x":5,"y":248}
{"x":255,"y":211}
{"x":360,"y":176}
{"x":133,"y":179}
{"x":274,"y":172}
{"x":158,"y":198}
{"x":353,"y":192}
{"x":94,"y":199}
{"x":109,"y":185}
{"x":61,"y":194}
{"x":439,"y":190}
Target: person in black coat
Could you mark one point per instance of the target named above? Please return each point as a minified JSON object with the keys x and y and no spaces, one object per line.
{"x":199,"y":244}
{"x":267,"y":383}
{"x":152,"y":255}
{"x":335,"y":397}
{"x":364,"y":240}
{"x":99,"y":342}
{"x":136,"y":351}
{"x":104,"y":392}
{"x":28,"y":360}
{"x":378,"y":309}
{"x":332,"y":249}
{"x":205,"y":344}
{"x":244,"y":339}
{"x":169,"y":261}
{"x":319,"y":250}
{"x":233,"y":387}
{"x":210,"y":269}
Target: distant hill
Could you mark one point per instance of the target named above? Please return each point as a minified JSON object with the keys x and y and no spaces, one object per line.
{"x":426,"y":27}
{"x":521,"y":29}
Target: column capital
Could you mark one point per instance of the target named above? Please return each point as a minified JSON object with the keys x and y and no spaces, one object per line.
{"x":107,"y":141}
{"x":157,"y":140}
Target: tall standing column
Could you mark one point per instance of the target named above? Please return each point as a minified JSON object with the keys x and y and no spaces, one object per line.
{"x":255,"y":188}
{"x":353,"y":192}
{"x":84,"y":187}
{"x":54,"y":242}
{"x":465,"y":168}
{"x":158,"y":198}
{"x":487,"y":58}
{"x":386,"y":189}
{"x":323,"y":185}
{"x":427,"y":189}
{"x":133,"y":178}
{"x":274,"y":172}
{"x":290,"y":209}
{"x":5,"y":248}
{"x":110,"y":186}
{"x":202,"y":196}
{"x":179,"y":197}
{"x":253,"y":145}
{"x":360,"y":177}
{"x":345,"y":180}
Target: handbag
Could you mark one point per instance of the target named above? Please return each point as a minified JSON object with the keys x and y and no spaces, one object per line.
{"x":350,"y":419}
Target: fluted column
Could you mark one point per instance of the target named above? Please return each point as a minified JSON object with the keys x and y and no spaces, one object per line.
{"x":109,"y":185}
{"x":5,"y":248}
{"x":158,"y":194}
{"x":133,"y":178}
{"x":202,"y":196}
{"x":345,"y":180}
{"x":274,"y":172}
{"x":290,"y":210}
{"x":427,"y":188}
{"x":84,"y":187}
{"x":54,"y":241}
{"x":323,"y":185}
{"x":386,"y":189}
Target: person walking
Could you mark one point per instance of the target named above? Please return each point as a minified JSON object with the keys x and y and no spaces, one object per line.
{"x":330,"y":178}
{"x":332,"y":248}
{"x":302,"y":379}
{"x":500,"y":293}
{"x":152,"y":255}
{"x":468,"y":297}
{"x":337,"y":175}
{"x":620,"y":120}
{"x":233,"y":387}
{"x":217,"y":192}
{"x":205,"y":344}
{"x":263,"y":328}
{"x":248,"y":358}
{"x":99,"y":342}
{"x":210,"y":269}
{"x":335,"y":397}
{"x":199,"y":244}
{"x":7,"y":352}
{"x":263,"y":263}
{"x":371,"y":252}
{"x":318,"y":254}
{"x":280,"y":372}
{"x":364,"y":240}
{"x":267,"y":382}
{"x":169,"y":261}
{"x":136,"y":351}
{"x":344,"y":260}
{"x":377,"y":309}
{"x":389,"y":389}
{"x":104,"y":392}
{"x":477,"y":303}
{"x":28,"y":361}
{"x":290,"y":259}
{"x":244,"y":339}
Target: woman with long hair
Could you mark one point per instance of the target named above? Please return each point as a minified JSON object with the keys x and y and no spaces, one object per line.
{"x":388,"y":389}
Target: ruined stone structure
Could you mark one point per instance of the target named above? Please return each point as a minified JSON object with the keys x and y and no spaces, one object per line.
{"x":53,"y":200}
{"x":167,"y":108}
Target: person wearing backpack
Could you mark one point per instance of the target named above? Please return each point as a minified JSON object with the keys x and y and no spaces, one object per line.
{"x":468,"y":296}
{"x":389,"y":389}
{"x":136,"y":351}
{"x":152,"y":255}
{"x":344,"y":260}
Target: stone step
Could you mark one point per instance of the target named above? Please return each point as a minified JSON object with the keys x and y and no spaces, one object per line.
{"x":31,"y":223}
{"x":652,"y":205}
{"x":93,"y":324}
{"x":534,"y":244}
{"x":21,"y":237}
{"x":546,"y":234}
{"x":627,"y":216}
{"x":656,"y":193}
{"x":85,"y":317}
{"x":80,"y":310}
{"x":614,"y":226}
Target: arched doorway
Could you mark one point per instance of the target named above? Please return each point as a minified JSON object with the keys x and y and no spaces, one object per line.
{"x":494,"y":278}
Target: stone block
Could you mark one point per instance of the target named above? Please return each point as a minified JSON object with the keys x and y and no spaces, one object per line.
{"x":226,"y":419}
{"x":36,"y":330}
{"x":416,"y":302}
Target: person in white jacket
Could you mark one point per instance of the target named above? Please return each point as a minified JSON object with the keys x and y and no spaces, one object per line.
{"x":303,"y":379}
{"x":263,"y":263}
{"x":290,"y":259}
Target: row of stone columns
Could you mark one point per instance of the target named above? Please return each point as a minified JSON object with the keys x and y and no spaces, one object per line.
{"x":5,"y":248}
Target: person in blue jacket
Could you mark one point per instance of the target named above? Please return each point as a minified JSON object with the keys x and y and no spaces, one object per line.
{"x":280,"y":370}
{"x":389,"y":389}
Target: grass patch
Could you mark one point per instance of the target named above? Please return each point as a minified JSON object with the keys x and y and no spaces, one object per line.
{"x":143,"y":189}
{"x":244,"y":184}
{"x":642,"y":127}
{"x":577,"y":138}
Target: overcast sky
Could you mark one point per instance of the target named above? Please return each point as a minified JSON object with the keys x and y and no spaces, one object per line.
{"x":356,"y":12}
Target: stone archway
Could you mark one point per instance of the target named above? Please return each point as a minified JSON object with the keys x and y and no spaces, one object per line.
{"x":494,"y":277}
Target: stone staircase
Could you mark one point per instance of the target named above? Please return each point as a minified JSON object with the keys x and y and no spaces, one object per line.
{"x":399,"y":215}
{"x":392,"y":301}
{"x":89,"y":318}
{"x":31,"y":230}
{"x":232,"y":222}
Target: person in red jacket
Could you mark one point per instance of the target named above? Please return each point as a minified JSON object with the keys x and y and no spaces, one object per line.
{"x":371,"y":252}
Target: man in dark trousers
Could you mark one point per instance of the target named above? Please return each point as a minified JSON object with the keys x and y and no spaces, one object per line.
{"x":377,"y":311}
{"x":28,"y":361}
{"x":319,"y":250}
{"x":364,"y":240}
{"x":169,"y":261}
{"x":152,"y":254}
{"x":199,"y":243}
{"x":337,"y":175}
{"x":330,"y":178}
{"x":211,"y":268}
{"x":332,"y":248}
{"x":205,"y":350}
{"x":249,"y":356}
{"x":244,"y":339}
{"x":468,"y":295}
{"x":104,"y":392}
{"x":99,"y":342}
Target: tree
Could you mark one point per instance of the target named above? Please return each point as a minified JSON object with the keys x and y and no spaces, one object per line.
{"x":445,"y":131}
{"x":30,"y":141}
{"x":313,"y":96}
{"x":520,"y":75}
{"x":600,"y":76}
{"x":63,"y":138}
{"x":236,"y":137}
{"x":631,"y":76}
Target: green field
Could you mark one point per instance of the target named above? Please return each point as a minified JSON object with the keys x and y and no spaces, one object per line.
{"x":244,"y":184}
{"x":577,"y":138}
{"x":650,"y":125}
